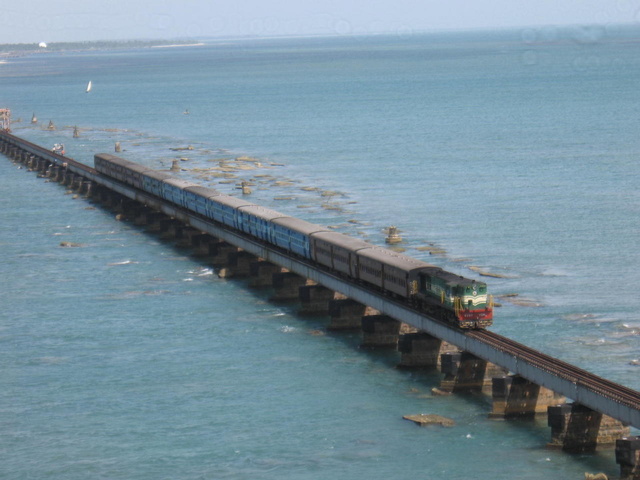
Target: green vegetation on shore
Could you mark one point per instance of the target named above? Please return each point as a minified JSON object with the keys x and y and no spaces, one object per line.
{"x":25,"y":48}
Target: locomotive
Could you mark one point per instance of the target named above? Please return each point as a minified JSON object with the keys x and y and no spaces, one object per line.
{"x":461,"y":301}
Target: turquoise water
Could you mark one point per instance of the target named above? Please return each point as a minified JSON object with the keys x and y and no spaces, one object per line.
{"x":514,"y":152}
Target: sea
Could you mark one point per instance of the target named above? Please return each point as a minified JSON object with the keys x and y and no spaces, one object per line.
{"x":511,"y":157}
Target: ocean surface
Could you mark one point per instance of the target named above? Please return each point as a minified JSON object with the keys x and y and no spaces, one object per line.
{"x":513,"y":152}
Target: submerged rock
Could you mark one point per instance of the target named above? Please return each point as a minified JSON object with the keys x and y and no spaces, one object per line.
{"x":485,"y":273}
{"x":71,"y":245}
{"x":428,"y":419}
{"x":595,"y":476}
{"x":433,"y":250}
{"x":515,"y":299}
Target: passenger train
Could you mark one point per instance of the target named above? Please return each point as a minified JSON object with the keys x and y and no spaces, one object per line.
{"x":438,"y":293}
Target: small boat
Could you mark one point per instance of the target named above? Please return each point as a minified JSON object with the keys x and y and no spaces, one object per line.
{"x":89,"y":86}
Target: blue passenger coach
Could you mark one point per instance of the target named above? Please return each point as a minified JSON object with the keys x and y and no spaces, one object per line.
{"x":444,"y":295}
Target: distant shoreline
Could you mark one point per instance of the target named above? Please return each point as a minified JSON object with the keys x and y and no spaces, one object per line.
{"x":179,"y":45}
{"x":20,"y":49}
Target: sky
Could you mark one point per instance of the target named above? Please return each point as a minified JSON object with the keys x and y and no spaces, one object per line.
{"x":34,"y":21}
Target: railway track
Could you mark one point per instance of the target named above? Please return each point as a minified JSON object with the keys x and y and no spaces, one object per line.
{"x":578,"y":376}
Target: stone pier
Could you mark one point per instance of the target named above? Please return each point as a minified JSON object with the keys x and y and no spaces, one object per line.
{"x":287,"y":285}
{"x":628,"y":457}
{"x":346,"y":314}
{"x":466,"y":373}
{"x":238,"y":265}
{"x":262,"y":273}
{"x":314,"y":299}
{"x":109,"y":199}
{"x":203,"y":244}
{"x":77,"y":185}
{"x":420,"y":349}
{"x":219,"y":253}
{"x":200,"y":243}
{"x":380,"y":331}
{"x":87,"y":188}
{"x":163,"y":225}
{"x":515,"y":396}
{"x":68,"y":178}
{"x":578,"y":429}
{"x":187,"y":236}
{"x":148,"y":217}
{"x":171,"y":230}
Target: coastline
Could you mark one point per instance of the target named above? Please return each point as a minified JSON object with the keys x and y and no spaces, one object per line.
{"x":22,"y":49}
{"x":174,"y":45}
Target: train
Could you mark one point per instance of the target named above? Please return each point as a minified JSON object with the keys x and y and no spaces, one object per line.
{"x":446,"y":296}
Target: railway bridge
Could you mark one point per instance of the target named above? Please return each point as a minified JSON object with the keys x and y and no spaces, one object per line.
{"x":517,"y":365}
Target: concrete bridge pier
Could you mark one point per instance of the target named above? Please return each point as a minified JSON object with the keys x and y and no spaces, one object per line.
{"x":77,"y":184}
{"x":165,"y":224}
{"x":380,"y":331}
{"x":42,"y":167}
{"x":578,"y":429}
{"x":628,"y":457}
{"x":200,"y":242}
{"x":127,"y":208}
{"x":96,"y":192}
{"x":187,"y":236}
{"x":54,"y":173}
{"x":418,"y":350}
{"x":346,"y":314}
{"x":156,"y":222}
{"x":147,"y":217}
{"x":262,"y":272}
{"x":515,"y":396}
{"x":87,"y":188}
{"x":220,"y":253}
{"x":38,"y":164}
{"x":286,"y":286}
{"x":466,"y":373}
{"x":205,"y":245}
{"x":68,"y":178}
{"x":314,"y":299}
{"x":103,"y":196}
{"x":171,"y":230}
{"x":238,"y":265}
{"x":29,"y":160}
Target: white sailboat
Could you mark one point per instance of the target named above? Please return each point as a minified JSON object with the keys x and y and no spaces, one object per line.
{"x":89,"y":86}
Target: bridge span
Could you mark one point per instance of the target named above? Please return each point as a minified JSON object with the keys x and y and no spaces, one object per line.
{"x":583,"y":387}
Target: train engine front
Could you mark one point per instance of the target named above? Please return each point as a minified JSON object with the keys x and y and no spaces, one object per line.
{"x":460,"y":300}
